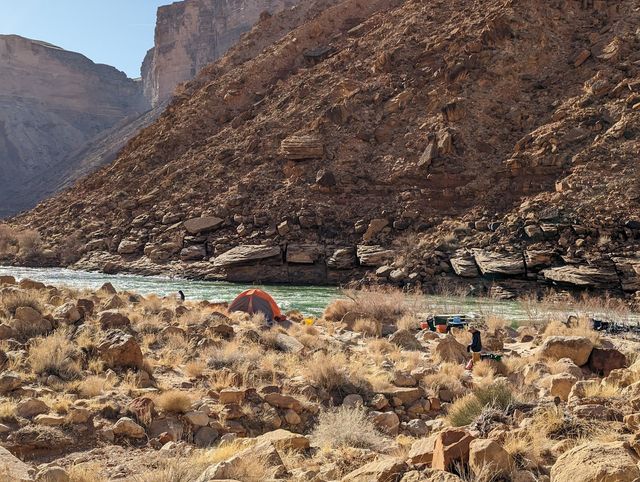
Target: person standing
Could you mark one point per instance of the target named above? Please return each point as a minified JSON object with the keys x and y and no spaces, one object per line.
{"x":476,"y":344}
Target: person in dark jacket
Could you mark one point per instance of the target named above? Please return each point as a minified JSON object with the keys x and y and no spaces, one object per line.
{"x":476,"y":344}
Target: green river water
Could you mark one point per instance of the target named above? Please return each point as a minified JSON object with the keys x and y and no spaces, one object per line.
{"x":310,"y":300}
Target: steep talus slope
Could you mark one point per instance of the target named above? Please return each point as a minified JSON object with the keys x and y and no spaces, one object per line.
{"x":458,"y":136}
{"x":51,"y":102}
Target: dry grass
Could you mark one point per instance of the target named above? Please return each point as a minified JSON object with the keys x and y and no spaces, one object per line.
{"x":13,"y":300}
{"x":448,"y":377}
{"x":25,"y":243}
{"x":55,"y":355}
{"x":334,"y":373}
{"x":384,"y":304}
{"x":602,"y":390}
{"x":195,"y":368}
{"x":368,"y":327}
{"x":7,"y":409}
{"x":466,"y":409}
{"x":87,"y":472}
{"x":94,"y":385}
{"x":174,"y":401}
{"x":580,"y":328}
{"x":347,"y":427}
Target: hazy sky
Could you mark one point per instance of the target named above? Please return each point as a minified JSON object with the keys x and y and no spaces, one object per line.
{"x":113,"y":32}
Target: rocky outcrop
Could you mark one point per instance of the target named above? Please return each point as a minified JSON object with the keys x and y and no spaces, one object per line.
{"x":193,"y":33}
{"x":590,"y":462}
{"x":52,"y":102}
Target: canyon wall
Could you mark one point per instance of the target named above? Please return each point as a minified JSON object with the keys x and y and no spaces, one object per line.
{"x":194,"y":33}
{"x":52,"y":102}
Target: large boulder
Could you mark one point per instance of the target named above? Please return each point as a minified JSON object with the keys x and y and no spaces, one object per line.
{"x":603,"y":360}
{"x":113,"y":319}
{"x":493,"y":263}
{"x":597,"y":462}
{"x":31,"y":407}
{"x":12,"y":469}
{"x":247,"y":254}
{"x":382,"y":470}
{"x":405,"y":339}
{"x":120,"y":350}
{"x":285,"y":440}
{"x":451,"y":446}
{"x":127,"y":427}
{"x":449,"y":350}
{"x":486,"y":456}
{"x":422,"y":450}
{"x":576,"y":348}
{"x":560,"y":385}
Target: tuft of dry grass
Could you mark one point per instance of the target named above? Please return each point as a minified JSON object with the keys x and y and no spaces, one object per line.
{"x":55,"y":355}
{"x":582,"y":327}
{"x":466,"y":409}
{"x":7,"y":409}
{"x":174,"y":401}
{"x":87,"y":472}
{"x":347,"y":427}
{"x":13,"y":300}
{"x":94,"y":385}
{"x":195,"y":368}
{"x":368,"y":327}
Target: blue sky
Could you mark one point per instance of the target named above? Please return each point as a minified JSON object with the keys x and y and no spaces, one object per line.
{"x":113,"y":32}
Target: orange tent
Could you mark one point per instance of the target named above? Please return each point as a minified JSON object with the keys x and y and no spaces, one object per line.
{"x":257,"y":301}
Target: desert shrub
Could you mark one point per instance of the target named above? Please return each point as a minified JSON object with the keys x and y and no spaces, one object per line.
{"x":497,"y":395}
{"x":448,"y":377}
{"x":55,"y":355}
{"x":368,"y":327}
{"x":174,"y":401}
{"x":7,"y":239}
{"x":332,"y":372}
{"x":385,"y":304}
{"x":29,"y":243}
{"x":93,"y":385}
{"x":347,"y":427}
{"x":12,"y":300}
{"x":7,"y":409}
{"x":195,"y":368}
{"x":466,"y":409}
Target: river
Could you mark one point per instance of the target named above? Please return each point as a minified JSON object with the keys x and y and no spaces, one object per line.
{"x":310,"y":300}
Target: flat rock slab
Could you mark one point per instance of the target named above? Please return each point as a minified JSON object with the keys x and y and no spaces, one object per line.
{"x":200,"y":225}
{"x":246,"y":254}
{"x":583,"y":276}
{"x":498,"y":263}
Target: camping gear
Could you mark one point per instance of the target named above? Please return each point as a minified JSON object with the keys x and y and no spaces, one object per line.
{"x":257,"y":301}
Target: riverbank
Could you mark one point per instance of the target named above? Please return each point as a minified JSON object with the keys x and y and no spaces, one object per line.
{"x":102,"y":385}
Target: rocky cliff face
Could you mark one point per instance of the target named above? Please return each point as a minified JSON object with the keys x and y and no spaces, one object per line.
{"x":194,"y":33}
{"x":491,"y":143}
{"x":52,"y":102}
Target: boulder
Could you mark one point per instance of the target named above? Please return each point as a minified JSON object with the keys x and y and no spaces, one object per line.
{"x":576,"y":348}
{"x":561,"y":385}
{"x":384,"y":469}
{"x":53,"y":474}
{"x":120,"y":350}
{"x":113,"y":319}
{"x":300,"y":147}
{"x":451,"y":446}
{"x":265,"y":452}
{"x":197,"y":418}
{"x":422,"y":450}
{"x":9,"y":381}
{"x":405,"y":395}
{"x":195,"y":252}
{"x":342,"y":258}
{"x":405,"y":339}
{"x":566,"y":365}
{"x":283,"y":401}
{"x":67,"y":313}
{"x":449,"y":350}
{"x":129,"y":246}
{"x":603,"y":360}
{"x":464,"y":266}
{"x":31,"y":407}
{"x":205,"y":437}
{"x":203,"y":224}
{"x":493,"y":263}
{"x":583,"y":276}
{"x":27,"y":314}
{"x":284,"y":440}
{"x":13,"y":469}
{"x":50,"y":420}
{"x":304,"y":253}
{"x":387,"y":422}
{"x":373,"y":256}
{"x":375,"y":226}
{"x":231,"y":395}
{"x":127,"y":427}
{"x":247,"y":254}
{"x":430,"y":475}
{"x":7,"y":280}
{"x":486,"y":456}
{"x":597,"y":462}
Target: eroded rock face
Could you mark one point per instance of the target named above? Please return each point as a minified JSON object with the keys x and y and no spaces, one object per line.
{"x":194,"y":33}
{"x":52,"y":102}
